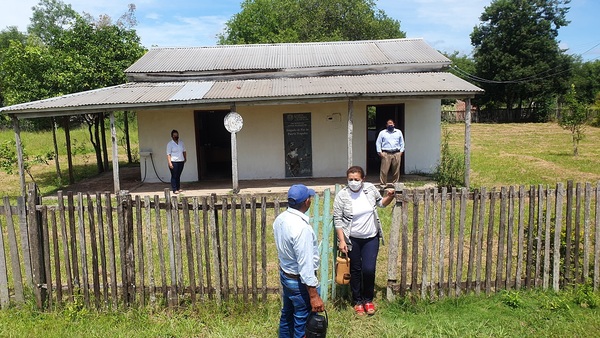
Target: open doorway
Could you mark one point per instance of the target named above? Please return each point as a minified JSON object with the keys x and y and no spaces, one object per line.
{"x":213,"y":144}
{"x":377,"y":117}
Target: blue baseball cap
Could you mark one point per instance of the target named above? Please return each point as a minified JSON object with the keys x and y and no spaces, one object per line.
{"x":298,"y":193}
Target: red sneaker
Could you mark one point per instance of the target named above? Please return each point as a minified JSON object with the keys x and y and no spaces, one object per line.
{"x":359,"y":309}
{"x":370,"y":308}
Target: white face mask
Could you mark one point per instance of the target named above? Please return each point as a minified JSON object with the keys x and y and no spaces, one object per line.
{"x":355,"y":185}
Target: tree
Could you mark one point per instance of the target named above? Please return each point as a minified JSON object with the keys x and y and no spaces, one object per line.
{"x":574,"y":118}
{"x":517,"y":51}
{"x":277,"y":21}
{"x":586,"y":77}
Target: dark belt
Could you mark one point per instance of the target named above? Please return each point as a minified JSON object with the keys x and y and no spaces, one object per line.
{"x":391,"y":151}
{"x":292,"y":276}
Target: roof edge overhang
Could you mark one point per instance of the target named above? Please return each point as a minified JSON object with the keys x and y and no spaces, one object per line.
{"x":257,"y":74}
{"x":249,"y":101}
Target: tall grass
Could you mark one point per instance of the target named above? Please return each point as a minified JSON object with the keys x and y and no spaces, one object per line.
{"x":514,"y":314}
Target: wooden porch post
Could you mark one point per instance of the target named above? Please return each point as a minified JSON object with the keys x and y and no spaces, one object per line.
{"x":20,"y":162}
{"x":115,"y":153}
{"x":350,"y":131}
{"x":467,"y":142}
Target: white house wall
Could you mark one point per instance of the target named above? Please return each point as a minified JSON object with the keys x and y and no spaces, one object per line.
{"x":261,"y":153}
{"x":154,"y":132}
{"x":422,"y":120}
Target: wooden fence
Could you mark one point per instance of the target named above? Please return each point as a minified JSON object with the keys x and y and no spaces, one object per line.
{"x":110,"y":251}
{"x":451,"y":243}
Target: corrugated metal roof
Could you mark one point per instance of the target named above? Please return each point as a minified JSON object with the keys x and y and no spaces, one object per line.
{"x":145,"y":94}
{"x":287,"y":56}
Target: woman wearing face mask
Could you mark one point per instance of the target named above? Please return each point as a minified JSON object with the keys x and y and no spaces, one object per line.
{"x":358,"y":231}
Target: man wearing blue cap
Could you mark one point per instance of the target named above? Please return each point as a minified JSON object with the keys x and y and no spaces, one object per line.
{"x":297,"y":250}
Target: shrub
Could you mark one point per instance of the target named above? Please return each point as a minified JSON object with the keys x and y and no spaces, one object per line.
{"x":450,"y":171}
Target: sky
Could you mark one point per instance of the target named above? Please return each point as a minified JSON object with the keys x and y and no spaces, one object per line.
{"x":443,"y":24}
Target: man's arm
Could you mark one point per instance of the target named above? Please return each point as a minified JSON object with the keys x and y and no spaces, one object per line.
{"x":316,"y":302}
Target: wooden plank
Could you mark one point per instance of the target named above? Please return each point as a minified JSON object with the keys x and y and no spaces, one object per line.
{"x":161,"y":252}
{"x":129,"y":256}
{"x":415,"y":244}
{"x":473,"y":240}
{"x":224,"y":249}
{"x":557,"y":233}
{"x":65,"y":244}
{"x":538,"y":238}
{"x":597,"y":240}
{"x":24,"y":233}
{"x":530,"y":239}
{"x":404,"y":248}
{"x":215,"y":249}
{"x":549,"y":194}
{"x":149,"y":250}
{"x":489,"y":243}
{"x":73,"y":240}
{"x":111,"y":249}
{"x":56,"y":253}
{"x":94,"y":247}
{"x":14,"y":252}
{"x":451,"y":244}
{"x":442,"y":251}
{"x":187,"y":229}
{"x":263,"y":245}
{"x":253,"y":248}
{"x":500,"y":282}
{"x":83,"y":250}
{"x":47,"y":265}
{"x":479,"y":240}
{"x":102,"y":244}
{"x":172,"y":292}
{"x":244,"y":240}
{"x":425,"y":250}
{"x":568,"y":234}
{"x":461,"y":239}
{"x":141,"y":287}
{"x":434,"y":244}
{"x":178,"y":245}
{"x":393,"y":245}
{"x":586,"y":230}
{"x":36,"y":246}
{"x":207,"y":247}
{"x":197,"y":233}
{"x":510,"y":236}
{"x":521,"y":237}
{"x":4,"y":296}
{"x":234,"y":248}
{"x":576,"y":247}
{"x":121,"y":211}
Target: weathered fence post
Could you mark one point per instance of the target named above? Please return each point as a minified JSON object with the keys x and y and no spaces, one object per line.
{"x":36,"y":247}
{"x":125,"y":211}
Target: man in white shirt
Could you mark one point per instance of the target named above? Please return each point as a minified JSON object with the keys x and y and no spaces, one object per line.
{"x":390,"y":147}
{"x":176,"y":157}
{"x":298,"y":254}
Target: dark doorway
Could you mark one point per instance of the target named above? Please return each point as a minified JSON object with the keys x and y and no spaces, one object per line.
{"x":213,"y":143}
{"x":377,"y":117}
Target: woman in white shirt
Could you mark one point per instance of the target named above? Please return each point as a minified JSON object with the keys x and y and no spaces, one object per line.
{"x":358,"y":231}
{"x":176,"y":157}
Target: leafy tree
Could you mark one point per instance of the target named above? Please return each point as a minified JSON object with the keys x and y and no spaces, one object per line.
{"x":574,"y":118}
{"x":8,"y":158}
{"x":586,"y":77}
{"x":277,"y":21}
{"x":516,"y":49}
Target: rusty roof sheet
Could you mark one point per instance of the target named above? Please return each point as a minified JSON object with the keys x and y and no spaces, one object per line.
{"x":287,"y":56}
{"x":138,"y":95}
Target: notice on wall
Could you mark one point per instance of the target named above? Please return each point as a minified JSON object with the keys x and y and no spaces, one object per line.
{"x":298,"y":146}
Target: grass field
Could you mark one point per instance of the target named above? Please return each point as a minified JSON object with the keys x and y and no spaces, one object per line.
{"x":511,"y":314}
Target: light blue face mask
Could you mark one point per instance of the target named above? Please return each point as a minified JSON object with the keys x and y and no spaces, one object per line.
{"x":355,"y":185}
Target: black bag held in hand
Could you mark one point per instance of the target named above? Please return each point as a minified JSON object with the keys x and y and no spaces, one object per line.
{"x":316,"y":325}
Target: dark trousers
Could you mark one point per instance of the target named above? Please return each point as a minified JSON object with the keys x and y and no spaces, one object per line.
{"x":363,"y":261}
{"x":176,"y":175}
